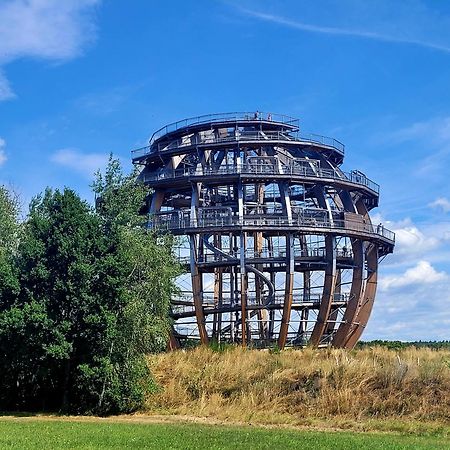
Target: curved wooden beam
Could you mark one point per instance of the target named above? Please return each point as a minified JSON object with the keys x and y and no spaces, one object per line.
{"x":356,"y":290}
{"x":328,"y":291}
{"x":355,"y":294}
{"x":331,"y":323}
{"x":369,"y":297}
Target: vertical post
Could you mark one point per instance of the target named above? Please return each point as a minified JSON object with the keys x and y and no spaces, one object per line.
{"x":288,"y":289}
{"x":196,"y":276}
{"x":328,"y":291}
{"x":243,"y":289}
{"x":197,"y":293}
{"x":272,"y":280}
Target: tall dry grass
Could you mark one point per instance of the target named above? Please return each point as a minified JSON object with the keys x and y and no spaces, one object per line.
{"x":295,"y":386}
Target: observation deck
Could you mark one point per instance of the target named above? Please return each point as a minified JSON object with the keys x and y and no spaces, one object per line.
{"x":242,"y":129}
{"x":278,"y":245}
{"x":182,"y":223}
{"x":353,"y":180}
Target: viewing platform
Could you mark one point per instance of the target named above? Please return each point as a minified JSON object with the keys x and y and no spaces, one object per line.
{"x":221,"y":130}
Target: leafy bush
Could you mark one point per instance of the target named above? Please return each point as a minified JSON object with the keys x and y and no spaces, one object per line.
{"x":83,"y":299}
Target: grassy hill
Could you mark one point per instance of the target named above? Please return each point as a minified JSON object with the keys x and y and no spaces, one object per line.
{"x":369,"y":388}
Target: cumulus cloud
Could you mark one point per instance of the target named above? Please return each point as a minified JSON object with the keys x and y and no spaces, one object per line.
{"x":84,"y":163}
{"x":422,"y":273}
{"x":49,"y":29}
{"x":441,"y":203}
{"x":410,"y":240}
{"x":3,"y":157}
{"x":418,"y":310}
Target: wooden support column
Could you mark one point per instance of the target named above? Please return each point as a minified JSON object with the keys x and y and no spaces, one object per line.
{"x":331,"y":323}
{"x":369,"y":297}
{"x":218,"y":293}
{"x":197,"y":293}
{"x":196,"y":276}
{"x":257,"y":247}
{"x":330,"y":273}
{"x":173,"y":343}
{"x":272,"y":280}
{"x":302,"y":327}
{"x":157,"y":201}
{"x":288,"y":289}
{"x":243,"y":289}
{"x":328,"y":291}
{"x":355,"y":294}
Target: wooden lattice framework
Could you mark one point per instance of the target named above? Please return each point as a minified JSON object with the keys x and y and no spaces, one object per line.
{"x":276,"y":240}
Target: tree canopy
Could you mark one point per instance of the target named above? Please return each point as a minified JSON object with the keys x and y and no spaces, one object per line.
{"x":86,"y":298}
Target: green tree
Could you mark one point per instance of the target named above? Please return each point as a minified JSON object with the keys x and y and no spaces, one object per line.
{"x":57,"y":314}
{"x":144,"y":270}
{"x":94,"y":299}
{"x":9,"y":241}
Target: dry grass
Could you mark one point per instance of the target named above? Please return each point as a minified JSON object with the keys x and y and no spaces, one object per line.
{"x":301,"y":387}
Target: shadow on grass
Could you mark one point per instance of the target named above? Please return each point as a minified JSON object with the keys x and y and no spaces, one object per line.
{"x":29,"y":414}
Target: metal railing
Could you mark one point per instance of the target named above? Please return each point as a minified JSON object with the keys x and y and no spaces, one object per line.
{"x":208,"y":302}
{"x":250,"y":169}
{"x":240,"y":136}
{"x":170,"y":222}
{"x":224,"y":117}
{"x":277,"y":253}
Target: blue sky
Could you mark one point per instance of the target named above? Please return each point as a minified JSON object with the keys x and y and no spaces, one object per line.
{"x":82,"y":78}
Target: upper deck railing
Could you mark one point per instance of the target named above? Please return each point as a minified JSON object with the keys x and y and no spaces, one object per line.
{"x":354,"y":176}
{"x":182,"y":220}
{"x":241,"y":136}
{"x":224,"y":117}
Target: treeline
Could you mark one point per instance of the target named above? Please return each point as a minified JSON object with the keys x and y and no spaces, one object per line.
{"x":399,"y":345}
{"x":84,"y":296}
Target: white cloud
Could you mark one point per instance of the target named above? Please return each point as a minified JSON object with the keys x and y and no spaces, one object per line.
{"x":419,"y":310}
{"x":6,"y":92}
{"x":430,"y":140}
{"x":410,"y":240}
{"x":3,"y":157}
{"x":49,"y":29}
{"x":428,"y":240}
{"x":441,"y":203}
{"x":85,"y":163}
{"x":422,"y":273}
{"x":414,"y":26}
{"x":435,"y":130}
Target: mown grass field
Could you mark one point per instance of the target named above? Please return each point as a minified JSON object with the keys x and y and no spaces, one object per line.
{"x":35,"y":433}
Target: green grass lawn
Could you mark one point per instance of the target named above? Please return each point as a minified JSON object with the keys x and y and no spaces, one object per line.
{"x":47,"y":434}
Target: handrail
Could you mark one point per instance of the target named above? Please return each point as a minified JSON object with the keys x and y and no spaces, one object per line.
{"x":209,"y":304}
{"x":267,"y":254}
{"x":243,"y":136}
{"x":353,"y":176}
{"x":228,"y":117}
{"x":169,"y":222}
{"x":208,"y":300}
